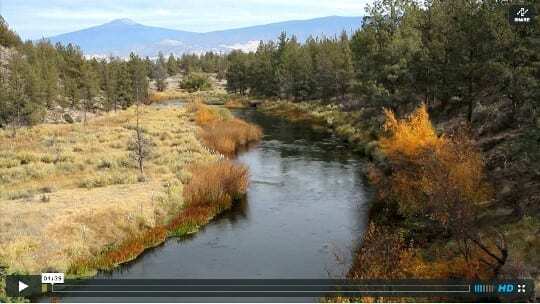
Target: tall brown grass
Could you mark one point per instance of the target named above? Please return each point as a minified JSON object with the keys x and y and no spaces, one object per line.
{"x":235,"y":103}
{"x":221,"y":131}
{"x":216,"y":184}
{"x":164,"y":96}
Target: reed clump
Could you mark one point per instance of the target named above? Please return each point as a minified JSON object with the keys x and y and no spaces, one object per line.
{"x":236,"y":103}
{"x":165,"y":96}
{"x":222,"y":132}
{"x":216,"y":184}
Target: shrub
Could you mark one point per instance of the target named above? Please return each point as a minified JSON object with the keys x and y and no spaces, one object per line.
{"x":410,"y":135}
{"x":26,"y":157}
{"x":105,"y":164}
{"x":438,"y":182}
{"x":102,"y":180}
{"x":68,"y":118}
{"x":196,"y":82}
{"x":438,"y":178}
{"x":385,"y":254}
{"x":47,"y":158}
{"x":23,"y":194}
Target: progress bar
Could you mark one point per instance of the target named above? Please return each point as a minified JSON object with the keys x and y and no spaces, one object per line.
{"x":266,"y":288}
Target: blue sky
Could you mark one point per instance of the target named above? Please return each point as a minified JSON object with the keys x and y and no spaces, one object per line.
{"x":34,"y":19}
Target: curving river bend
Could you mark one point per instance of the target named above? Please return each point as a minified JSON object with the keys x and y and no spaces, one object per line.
{"x":303,"y":216}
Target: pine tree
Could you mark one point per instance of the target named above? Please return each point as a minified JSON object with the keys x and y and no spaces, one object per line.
{"x":139,"y":80}
{"x":18,"y":107}
{"x":160,"y":73}
{"x":89,"y":89}
{"x":123,"y":86}
{"x":8,"y":38}
{"x":344,"y":67}
{"x":263,"y":71}
{"x":172,"y":65}
{"x":237,"y":73}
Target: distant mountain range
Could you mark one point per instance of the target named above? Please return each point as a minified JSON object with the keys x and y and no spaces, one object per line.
{"x":122,"y":36}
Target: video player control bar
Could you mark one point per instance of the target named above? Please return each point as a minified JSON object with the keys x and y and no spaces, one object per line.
{"x":283,"y":288}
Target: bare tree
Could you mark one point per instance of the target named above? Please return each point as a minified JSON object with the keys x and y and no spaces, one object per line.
{"x":140,"y":145}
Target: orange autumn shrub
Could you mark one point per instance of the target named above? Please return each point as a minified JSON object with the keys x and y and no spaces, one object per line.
{"x":385,"y":254}
{"x":437,"y":182}
{"x":437,"y":177}
{"x":409,"y":136}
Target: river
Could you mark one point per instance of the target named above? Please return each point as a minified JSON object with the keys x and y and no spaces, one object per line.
{"x":303,"y":215}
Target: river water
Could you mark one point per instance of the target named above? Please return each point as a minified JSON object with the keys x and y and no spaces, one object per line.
{"x":303,"y":216}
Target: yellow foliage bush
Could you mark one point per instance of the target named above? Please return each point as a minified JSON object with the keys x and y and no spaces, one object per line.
{"x":385,"y":254}
{"x":439,"y":177}
{"x":410,"y":135}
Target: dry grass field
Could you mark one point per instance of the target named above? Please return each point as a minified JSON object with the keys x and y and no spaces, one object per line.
{"x":69,"y":191}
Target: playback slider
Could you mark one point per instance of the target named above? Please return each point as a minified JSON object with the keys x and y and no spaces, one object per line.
{"x":285,"y":288}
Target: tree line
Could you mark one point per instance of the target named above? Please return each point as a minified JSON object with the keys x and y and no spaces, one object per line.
{"x":37,"y":76}
{"x":455,"y":53}
{"x":321,"y":68}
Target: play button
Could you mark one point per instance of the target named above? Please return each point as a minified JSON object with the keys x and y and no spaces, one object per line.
{"x":22,"y":286}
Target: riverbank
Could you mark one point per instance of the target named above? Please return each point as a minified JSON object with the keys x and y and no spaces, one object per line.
{"x":360,"y":129}
{"x":418,"y":248}
{"x":73,"y":199}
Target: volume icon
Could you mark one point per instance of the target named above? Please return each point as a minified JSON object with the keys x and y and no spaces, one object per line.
{"x":483,"y":288}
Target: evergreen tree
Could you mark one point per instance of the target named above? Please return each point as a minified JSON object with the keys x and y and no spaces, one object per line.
{"x":139,"y":79}
{"x":172,"y":65}
{"x":19,"y":108}
{"x":238,"y":72}
{"x":344,"y":67}
{"x":124,"y":86}
{"x":160,"y":73}
{"x":89,"y":88}
{"x":8,"y":38}
{"x":263,"y":71}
